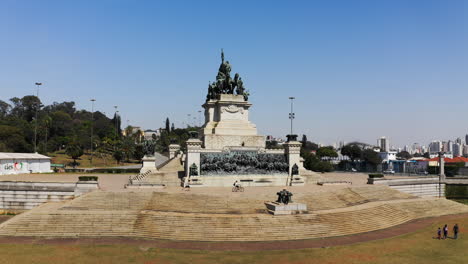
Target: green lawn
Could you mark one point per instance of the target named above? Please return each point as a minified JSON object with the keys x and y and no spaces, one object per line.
{"x":416,"y":247}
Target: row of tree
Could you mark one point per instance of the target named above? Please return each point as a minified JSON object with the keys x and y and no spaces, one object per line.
{"x":61,"y":127}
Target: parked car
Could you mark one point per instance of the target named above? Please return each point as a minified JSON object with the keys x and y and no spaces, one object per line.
{"x":389,"y":172}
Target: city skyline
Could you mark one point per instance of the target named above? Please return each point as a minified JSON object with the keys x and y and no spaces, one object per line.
{"x":358,"y":71}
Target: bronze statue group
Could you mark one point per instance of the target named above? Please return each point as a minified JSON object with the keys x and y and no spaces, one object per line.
{"x":284,"y":196}
{"x":224,"y":84}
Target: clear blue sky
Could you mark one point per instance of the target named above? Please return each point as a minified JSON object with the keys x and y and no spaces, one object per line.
{"x":359,"y":69}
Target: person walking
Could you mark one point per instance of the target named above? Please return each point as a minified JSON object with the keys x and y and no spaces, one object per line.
{"x":455,"y":231}
{"x":439,"y":233}
{"x":445,"y":231}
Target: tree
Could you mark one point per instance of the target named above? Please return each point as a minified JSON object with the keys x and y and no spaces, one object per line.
{"x":118,"y":155}
{"x":371,"y":157}
{"x":272,"y":144}
{"x":426,"y":155}
{"x":326,"y":152}
{"x":168,"y":129}
{"x":304,"y":139}
{"x":172,"y":127}
{"x":404,"y":155}
{"x":353,"y":151}
{"x":74,"y":151}
{"x":312,"y":162}
{"x":309,"y":146}
{"x":117,"y":126}
{"x":4,"y":109}
{"x":139,"y":153}
{"x":13,"y":140}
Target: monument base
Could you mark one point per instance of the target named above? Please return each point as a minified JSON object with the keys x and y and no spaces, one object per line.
{"x":276,"y":208}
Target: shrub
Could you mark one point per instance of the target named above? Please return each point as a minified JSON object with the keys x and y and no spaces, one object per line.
{"x":454,"y":191}
{"x":376,"y":175}
{"x":88,"y":178}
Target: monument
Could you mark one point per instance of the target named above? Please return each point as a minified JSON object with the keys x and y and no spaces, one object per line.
{"x":228,"y":147}
{"x":285,"y":205}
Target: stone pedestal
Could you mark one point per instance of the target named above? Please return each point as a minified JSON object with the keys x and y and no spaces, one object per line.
{"x":192,"y":160}
{"x":149,"y":164}
{"x":173,"y":150}
{"x":293,"y":151}
{"x":275,"y":208}
{"x":227,"y":124}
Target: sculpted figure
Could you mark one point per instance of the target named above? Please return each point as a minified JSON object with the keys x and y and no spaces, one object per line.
{"x":240,"y":87}
{"x":224,"y":83}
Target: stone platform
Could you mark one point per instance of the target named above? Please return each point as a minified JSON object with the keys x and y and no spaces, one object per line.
{"x":276,"y":208}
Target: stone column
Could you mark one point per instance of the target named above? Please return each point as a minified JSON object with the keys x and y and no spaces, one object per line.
{"x":173,"y":149}
{"x":293,"y":151}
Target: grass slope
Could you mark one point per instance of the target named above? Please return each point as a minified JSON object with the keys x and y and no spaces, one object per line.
{"x":85,"y":161}
{"x":414,"y":248}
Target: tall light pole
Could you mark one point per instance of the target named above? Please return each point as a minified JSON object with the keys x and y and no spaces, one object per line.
{"x":291,"y":114}
{"x":35,"y":119}
{"x":92,"y":127}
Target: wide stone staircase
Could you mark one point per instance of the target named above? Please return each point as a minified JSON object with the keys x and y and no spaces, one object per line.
{"x":230,"y":217}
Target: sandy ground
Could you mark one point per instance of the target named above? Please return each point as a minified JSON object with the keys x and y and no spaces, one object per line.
{"x":108,"y":182}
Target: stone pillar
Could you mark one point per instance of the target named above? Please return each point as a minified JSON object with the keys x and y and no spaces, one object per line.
{"x":149,"y":164}
{"x":441,"y":166}
{"x":192,"y":157}
{"x":293,"y":151}
{"x":173,"y":149}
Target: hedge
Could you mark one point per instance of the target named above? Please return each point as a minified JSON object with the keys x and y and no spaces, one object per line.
{"x":456,"y":191}
{"x":88,"y":178}
{"x":376,"y":175}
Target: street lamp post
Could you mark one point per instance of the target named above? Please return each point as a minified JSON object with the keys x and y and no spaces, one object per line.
{"x":115,"y":125}
{"x":35,"y":119}
{"x":92,"y":127}
{"x":291,"y":114}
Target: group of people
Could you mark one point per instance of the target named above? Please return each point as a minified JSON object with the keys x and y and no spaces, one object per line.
{"x":443,"y":233}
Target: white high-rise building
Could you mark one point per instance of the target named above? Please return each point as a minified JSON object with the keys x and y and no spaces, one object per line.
{"x":384,"y":144}
{"x":465,"y":150}
{"x":449,"y":146}
{"x":416,"y":148}
{"x":457,"y":150}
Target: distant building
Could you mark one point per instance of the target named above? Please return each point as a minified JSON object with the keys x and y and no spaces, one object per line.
{"x":149,"y":134}
{"x":435,"y":146}
{"x":388,"y":156}
{"x":449,"y":146}
{"x":384,"y":144}
{"x":436,"y":154}
{"x":465,"y":150}
{"x":457,"y":150}
{"x":17,"y":163}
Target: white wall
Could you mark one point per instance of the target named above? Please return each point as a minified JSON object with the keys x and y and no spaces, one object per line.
{"x":19,"y":166}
